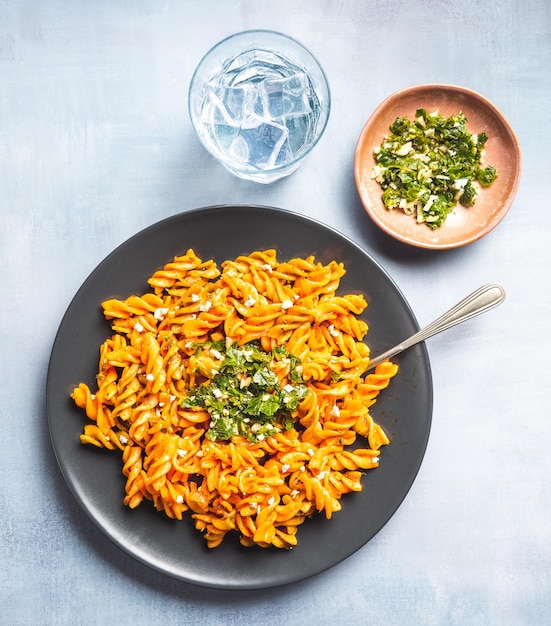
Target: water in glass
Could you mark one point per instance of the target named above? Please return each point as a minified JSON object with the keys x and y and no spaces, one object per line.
{"x":259,"y":112}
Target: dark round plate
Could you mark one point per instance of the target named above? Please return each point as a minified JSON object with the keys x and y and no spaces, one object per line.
{"x":175,"y":547}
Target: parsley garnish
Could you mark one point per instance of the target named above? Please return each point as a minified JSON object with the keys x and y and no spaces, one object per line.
{"x":429,"y":165}
{"x":244,"y":396}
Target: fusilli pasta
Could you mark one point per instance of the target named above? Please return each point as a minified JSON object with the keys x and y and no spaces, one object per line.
{"x":268,"y":473}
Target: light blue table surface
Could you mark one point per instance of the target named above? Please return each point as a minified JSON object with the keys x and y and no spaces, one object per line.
{"x":96,"y":144}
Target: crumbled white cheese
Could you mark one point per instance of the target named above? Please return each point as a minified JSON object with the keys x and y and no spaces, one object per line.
{"x":424,"y":158}
{"x":432,"y":199}
{"x":286,"y":304}
{"x":150,"y":377}
{"x":123,"y":440}
{"x":285,"y":468}
{"x":215,"y":353}
{"x":160,"y":313}
{"x":138,"y":327}
{"x":195,"y":297}
{"x":460,"y":183}
{"x":250,"y":301}
{"x":405,"y":149}
{"x":377,"y":172}
{"x":244,"y":381}
{"x":335,"y":411}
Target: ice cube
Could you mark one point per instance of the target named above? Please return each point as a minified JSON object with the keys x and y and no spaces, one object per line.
{"x":285,"y":153}
{"x":301,"y":128}
{"x":227,"y":105}
{"x":214,"y":111}
{"x":260,"y":142}
{"x":285,"y":96}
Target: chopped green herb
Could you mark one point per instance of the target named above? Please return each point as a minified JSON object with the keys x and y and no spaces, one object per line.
{"x":487,"y":175}
{"x":244,"y":397}
{"x":429,"y":165}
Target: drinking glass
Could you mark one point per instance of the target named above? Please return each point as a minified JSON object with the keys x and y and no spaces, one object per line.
{"x":259,"y":102}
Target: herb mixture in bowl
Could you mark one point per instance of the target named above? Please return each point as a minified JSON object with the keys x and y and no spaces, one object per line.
{"x":430,"y":164}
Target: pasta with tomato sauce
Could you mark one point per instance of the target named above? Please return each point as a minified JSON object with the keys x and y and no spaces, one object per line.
{"x":234,"y":394}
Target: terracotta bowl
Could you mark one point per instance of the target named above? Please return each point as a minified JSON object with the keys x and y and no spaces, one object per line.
{"x":465,"y":224}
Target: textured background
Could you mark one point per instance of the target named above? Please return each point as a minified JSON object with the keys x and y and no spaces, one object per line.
{"x":95,"y":144}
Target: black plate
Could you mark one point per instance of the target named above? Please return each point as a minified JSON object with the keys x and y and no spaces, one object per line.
{"x":176,"y":548}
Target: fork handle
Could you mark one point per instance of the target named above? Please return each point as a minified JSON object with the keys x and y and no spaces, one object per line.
{"x":480,"y":301}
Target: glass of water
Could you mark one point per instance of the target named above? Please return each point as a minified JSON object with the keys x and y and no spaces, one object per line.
{"x":259,"y":102}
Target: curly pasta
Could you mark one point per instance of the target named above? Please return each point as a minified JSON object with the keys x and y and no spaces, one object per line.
{"x":263,"y":488}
